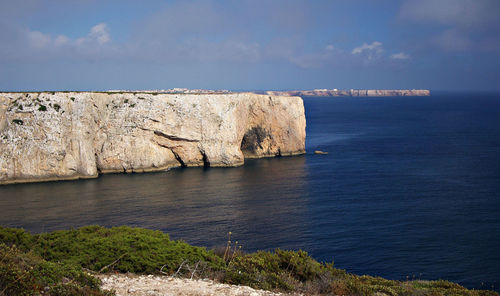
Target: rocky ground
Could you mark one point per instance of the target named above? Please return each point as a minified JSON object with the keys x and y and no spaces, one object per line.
{"x":148,"y":285}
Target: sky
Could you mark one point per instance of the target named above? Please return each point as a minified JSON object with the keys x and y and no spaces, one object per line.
{"x":250,"y":44}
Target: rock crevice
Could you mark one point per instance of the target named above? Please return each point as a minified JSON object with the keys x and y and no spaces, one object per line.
{"x":174,"y":138}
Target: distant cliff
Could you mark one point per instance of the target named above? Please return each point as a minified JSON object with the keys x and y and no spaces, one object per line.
{"x":353,"y":93}
{"x":70,"y":135}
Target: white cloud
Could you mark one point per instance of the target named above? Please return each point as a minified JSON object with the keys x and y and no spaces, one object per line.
{"x":38,"y":39}
{"x":61,"y":40}
{"x":375,"y":47}
{"x":204,"y":31}
{"x":366,"y":55}
{"x":400,"y":56}
{"x":100,"y":33}
{"x":22,"y":43}
{"x":369,"y":52}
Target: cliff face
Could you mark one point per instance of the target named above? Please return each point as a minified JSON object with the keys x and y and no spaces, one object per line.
{"x":56,"y":136}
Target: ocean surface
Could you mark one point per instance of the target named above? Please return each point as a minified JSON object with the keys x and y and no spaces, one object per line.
{"x":410,"y":189}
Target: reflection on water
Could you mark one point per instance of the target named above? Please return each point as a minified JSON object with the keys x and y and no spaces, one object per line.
{"x":264,"y":199}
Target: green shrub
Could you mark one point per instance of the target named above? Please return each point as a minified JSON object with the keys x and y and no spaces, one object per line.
{"x":94,"y":247}
{"x":18,"y":121}
{"x":24,"y":273}
{"x":42,"y":108}
{"x":282,"y":270}
{"x":17,"y":237}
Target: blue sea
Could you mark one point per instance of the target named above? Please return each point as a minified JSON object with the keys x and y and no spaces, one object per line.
{"x":410,"y":189}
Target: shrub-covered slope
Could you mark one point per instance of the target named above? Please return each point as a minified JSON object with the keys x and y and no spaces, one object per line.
{"x":56,"y":261}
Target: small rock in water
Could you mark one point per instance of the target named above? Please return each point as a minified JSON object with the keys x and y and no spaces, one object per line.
{"x":320,"y":152}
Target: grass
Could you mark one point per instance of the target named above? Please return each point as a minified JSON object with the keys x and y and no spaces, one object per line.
{"x":60,"y":257}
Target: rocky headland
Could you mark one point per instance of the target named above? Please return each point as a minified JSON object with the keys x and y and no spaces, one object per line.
{"x":353,"y":93}
{"x":70,"y":135}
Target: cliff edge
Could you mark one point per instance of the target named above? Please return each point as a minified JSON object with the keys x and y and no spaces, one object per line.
{"x":71,"y":135}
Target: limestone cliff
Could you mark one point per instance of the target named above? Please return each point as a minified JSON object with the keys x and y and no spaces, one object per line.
{"x":353,"y":93}
{"x":70,"y":135}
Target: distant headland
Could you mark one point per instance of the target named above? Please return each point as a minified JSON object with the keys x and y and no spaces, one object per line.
{"x":307,"y":93}
{"x":353,"y":92}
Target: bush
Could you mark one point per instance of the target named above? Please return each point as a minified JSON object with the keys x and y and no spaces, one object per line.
{"x":24,"y":273}
{"x":282,"y":270}
{"x":94,"y":247}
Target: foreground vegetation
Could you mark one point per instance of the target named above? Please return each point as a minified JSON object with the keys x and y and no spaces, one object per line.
{"x":63,"y":263}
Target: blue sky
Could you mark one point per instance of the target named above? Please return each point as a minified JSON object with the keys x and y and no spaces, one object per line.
{"x":250,"y":44}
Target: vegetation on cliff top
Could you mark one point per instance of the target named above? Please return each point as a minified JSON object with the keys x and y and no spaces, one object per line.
{"x":61,"y":263}
{"x":25,"y":273}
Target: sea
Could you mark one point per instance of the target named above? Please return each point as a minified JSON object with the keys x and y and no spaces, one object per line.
{"x":409,"y":189}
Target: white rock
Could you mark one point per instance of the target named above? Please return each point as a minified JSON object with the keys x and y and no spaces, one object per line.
{"x":83,"y":133}
{"x":131,"y":284}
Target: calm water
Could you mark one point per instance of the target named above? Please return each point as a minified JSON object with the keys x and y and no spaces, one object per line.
{"x":410,"y":189}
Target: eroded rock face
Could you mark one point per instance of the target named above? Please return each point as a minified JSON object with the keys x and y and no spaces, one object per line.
{"x":56,"y":136}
